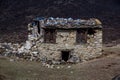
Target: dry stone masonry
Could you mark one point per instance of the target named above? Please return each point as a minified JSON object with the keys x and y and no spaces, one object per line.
{"x":60,"y":40}
{"x":66,"y":40}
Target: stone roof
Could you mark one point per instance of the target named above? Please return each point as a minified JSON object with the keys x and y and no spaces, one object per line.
{"x":68,"y":23}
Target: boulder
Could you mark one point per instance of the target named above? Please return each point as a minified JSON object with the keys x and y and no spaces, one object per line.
{"x":28,"y":45}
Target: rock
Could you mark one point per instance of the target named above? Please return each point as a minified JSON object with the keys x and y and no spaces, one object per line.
{"x":71,"y":72}
{"x":17,"y":58}
{"x":6,"y":46}
{"x":69,"y":67}
{"x":31,"y":37}
{"x":74,"y":59}
{"x":35,"y":53}
{"x":11,"y":60}
{"x":28,"y":45}
{"x":43,"y":59}
{"x":56,"y":62}
{"x":43,"y":64}
{"x":21,"y":50}
{"x":58,"y":67}
{"x":52,"y":66}
{"x":31,"y":59}
{"x":47,"y":65}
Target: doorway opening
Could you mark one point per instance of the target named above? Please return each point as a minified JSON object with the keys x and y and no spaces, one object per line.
{"x":38,"y":26}
{"x":65,"y":55}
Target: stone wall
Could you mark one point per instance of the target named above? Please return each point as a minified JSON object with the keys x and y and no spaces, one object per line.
{"x":36,"y":50}
{"x":66,"y":41}
{"x":92,"y":49}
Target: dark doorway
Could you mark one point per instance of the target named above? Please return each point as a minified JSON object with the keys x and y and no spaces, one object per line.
{"x":38,"y":26}
{"x":65,"y":55}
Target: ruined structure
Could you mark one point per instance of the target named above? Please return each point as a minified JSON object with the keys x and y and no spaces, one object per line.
{"x":67,"y":40}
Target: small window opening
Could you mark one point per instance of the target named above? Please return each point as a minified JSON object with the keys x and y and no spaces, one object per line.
{"x":81,"y":36}
{"x":91,"y":31}
{"x":65,"y":55}
{"x":50,"y":36}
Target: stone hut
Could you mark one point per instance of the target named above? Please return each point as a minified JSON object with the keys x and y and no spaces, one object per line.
{"x":65,"y":39}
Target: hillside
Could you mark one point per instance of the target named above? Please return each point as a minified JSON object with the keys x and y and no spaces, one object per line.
{"x":16,"y":14}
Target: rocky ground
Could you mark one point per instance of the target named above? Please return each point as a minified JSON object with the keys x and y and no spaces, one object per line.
{"x":104,"y":68}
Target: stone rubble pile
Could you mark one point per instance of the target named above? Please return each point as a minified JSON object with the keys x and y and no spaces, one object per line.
{"x":8,"y":49}
{"x":19,"y":50}
{"x":28,"y":51}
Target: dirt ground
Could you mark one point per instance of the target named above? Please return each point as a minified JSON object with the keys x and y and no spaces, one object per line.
{"x":103,"y":68}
